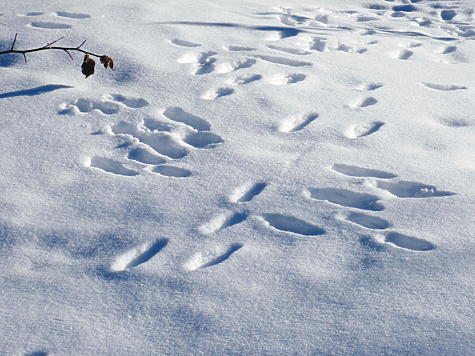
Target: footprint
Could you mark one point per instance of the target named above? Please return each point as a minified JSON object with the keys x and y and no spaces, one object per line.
{"x":170,"y":171}
{"x":247,"y":80}
{"x":404,"y":54}
{"x":289,"y":50}
{"x":218,"y":93}
{"x":203,"y":140}
{"x":155,"y":125}
{"x":222,"y":222}
{"x":371,"y":86}
{"x":111,"y":166}
{"x":354,"y":171}
{"x":211,"y":258}
{"x":247,"y":193}
{"x":409,"y":242}
{"x":367,"y":102}
{"x":285,"y":61}
{"x":50,"y":25}
{"x":138,"y":256}
{"x":72,"y":15}
{"x":161,"y":142}
{"x":405,"y":8}
{"x":357,"y":131}
{"x":144,"y":155}
{"x":297,"y":123}
{"x":443,"y":87}
{"x":448,"y":49}
{"x":291,"y":224}
{"x":404,"y":189}
{"x":239,"y":49}
{"x":447,"y":15}
{"x":234,"y":66}
{"x":183,"y":43}
{"x":319,"y":44}
{"x":347,"y":198}
{"x":107,"y":107}
{"x":283,"y":79}
{"x":449,"y":122}
{"x":133,"y":103}
{"x":368,"y":221}
{"x":179,"y":115}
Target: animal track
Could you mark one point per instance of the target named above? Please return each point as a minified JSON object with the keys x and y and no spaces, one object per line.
{"x":203,"y":140}
{"x":170,"y":171}
{"x":203,"y":63}
{"x":179,"y":115}
{"x":232,"y":67}
{"x":246,"y":193}
{"x":160,"y":142}
{"x":404,"y":54}
{"x":138,"y":256}
{"x":247,"y":80}
{"x":211,"y":258}
{"x":111,"y":166}
{"x":183,"y":43}
{"x":357,"y":131}
{"x":218,"y":93}
{"x":368,"y":221}
{"x":222,"y":222}
{"x":50,"y":25}
{"x":409,"y":242}
{"x":443,"y":87}
{"x":288,"y":50}
{"x":404,"y":189}
{"x":366,"y":102}
{"x":133,"y":103}
{"x":283,"y":79}
{"x":285,"y":61}
{"x":348,"y":198}
{"x":291,"y":224}
{"x":354,"y":171}
{"x":72,"y":15}
{"x":144,"y":155}
{"x":107,"y":106}
{"x":448,"y":49}
{"x":240,"y":49}
{"x":297,"y":123}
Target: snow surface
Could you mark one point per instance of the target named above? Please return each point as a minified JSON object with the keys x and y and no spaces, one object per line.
{"x":255,"y":178}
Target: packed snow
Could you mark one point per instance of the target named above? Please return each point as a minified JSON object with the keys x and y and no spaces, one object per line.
{"x":254,"y":178}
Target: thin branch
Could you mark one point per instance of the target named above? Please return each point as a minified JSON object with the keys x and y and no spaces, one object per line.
{"x":47,"y":47}
{"x":87,"y":66}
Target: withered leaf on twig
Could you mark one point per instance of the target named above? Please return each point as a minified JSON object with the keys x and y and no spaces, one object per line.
{"x":88,"y":66}
{"x":107,"y":62}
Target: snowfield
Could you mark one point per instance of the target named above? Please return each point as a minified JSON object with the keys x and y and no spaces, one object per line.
{"x":254,"y":178}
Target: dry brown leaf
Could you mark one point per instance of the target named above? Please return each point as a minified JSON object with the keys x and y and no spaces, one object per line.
{"x":88,"y":66}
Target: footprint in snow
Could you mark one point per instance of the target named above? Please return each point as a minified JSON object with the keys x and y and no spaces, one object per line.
{"x":357,"y":131}
{"x":404,"y":189}
{"x":297,"y":123}
{"x":347,"y":198}
{"x":211,"y":257}
{"x":354,"y":171}
{"x":367,"y":221}
{"x":292,"y":224}
{"x":409,"y":242}
{"x":283,"y":79}
{"x":111,"y":166}
{"x":443,"y":87}
{"x":139,"y":255}
{"x":73,"y":15}
{"x":109,"y":104}
{"x":222,"y":221}
{"x":182,"y":43}
{"x":247,"y":192}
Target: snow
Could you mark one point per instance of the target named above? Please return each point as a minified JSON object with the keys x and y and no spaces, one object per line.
{"x":254,"y":178}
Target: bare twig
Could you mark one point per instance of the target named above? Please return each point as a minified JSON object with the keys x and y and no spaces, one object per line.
{"x":107,"y":61}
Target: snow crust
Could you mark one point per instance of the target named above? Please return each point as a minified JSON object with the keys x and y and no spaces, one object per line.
{"x":255,"y":178}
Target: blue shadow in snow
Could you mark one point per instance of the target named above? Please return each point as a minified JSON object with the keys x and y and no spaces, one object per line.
{"x":35,"y":91}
